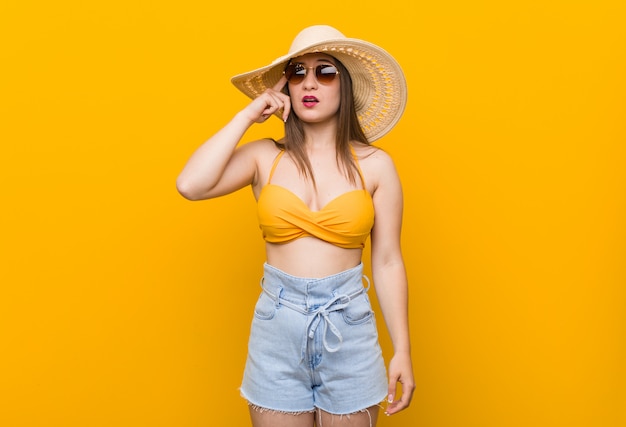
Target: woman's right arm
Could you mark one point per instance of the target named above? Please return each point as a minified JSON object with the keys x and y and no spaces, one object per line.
{"x":218,"y":167}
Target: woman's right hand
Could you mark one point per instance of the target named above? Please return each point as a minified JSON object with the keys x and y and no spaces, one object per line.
{"x":269,"y":102}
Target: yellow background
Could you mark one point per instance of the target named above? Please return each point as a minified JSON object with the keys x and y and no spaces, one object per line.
{"x":122,"y":304}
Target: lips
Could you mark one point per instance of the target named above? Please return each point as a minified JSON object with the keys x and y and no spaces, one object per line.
{"x":309,"y":101}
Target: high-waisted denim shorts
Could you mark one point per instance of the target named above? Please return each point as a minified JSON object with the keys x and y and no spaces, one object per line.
{"x":314,"y":344}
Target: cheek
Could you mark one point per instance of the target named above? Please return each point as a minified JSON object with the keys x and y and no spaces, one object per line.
{"x":336,"y":97}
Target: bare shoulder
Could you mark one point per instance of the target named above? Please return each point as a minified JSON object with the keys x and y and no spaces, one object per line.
{"x":260,"y":151}
{"x":263,"y":151}
{"x":372,"y":154}
{"x":375,"y":163}
{"x":262,"y":147}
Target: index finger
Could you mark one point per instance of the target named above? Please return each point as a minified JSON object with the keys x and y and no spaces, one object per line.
{"x":280,"y":84}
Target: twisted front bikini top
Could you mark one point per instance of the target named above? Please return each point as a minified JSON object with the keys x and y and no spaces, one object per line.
{"x":345,"y":221}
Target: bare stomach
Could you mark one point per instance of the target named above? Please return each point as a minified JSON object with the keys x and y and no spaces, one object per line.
{"x":311,"y":257}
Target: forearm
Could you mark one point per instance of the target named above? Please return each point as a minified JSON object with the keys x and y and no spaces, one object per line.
{"x":392,"y":292}
{"x":207,"y":164}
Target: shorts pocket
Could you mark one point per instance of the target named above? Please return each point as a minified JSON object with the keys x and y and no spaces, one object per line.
{"x":358,"y":311}
{"x":265,"y":307}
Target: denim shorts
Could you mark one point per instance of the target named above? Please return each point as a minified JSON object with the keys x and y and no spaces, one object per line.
{"x":314,"y":344}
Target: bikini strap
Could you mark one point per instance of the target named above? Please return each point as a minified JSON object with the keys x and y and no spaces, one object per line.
{"x":358,"y":166}
{"x":276,"y":159}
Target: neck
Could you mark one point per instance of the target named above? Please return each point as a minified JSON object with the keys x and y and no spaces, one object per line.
{"x":319,"y":135}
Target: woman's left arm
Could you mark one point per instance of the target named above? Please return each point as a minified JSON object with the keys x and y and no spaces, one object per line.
{"x":390,"y":279}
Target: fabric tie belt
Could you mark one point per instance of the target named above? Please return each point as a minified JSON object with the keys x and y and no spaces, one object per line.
{"x":320,"y":315}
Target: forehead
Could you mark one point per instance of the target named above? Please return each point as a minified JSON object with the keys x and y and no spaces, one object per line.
{"x":313,"y":58}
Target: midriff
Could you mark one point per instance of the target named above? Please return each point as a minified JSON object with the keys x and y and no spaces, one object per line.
{"x":296,"y":257}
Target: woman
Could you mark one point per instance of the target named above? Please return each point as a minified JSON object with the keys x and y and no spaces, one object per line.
{"x":313,"y":352}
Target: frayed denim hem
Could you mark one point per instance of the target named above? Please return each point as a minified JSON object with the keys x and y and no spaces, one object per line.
{"x":261,"y":409}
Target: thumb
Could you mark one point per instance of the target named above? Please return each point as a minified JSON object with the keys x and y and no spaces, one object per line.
{"x":391,"y":389}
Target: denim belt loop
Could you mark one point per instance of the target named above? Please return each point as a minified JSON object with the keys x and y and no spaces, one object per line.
{"x":367,"y":279}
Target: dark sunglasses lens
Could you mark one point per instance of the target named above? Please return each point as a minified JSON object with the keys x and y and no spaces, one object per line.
{"x":325,"y":74}
{"x":293,"y":76}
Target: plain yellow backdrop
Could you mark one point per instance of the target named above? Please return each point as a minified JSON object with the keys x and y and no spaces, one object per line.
{"x":122,"y":304}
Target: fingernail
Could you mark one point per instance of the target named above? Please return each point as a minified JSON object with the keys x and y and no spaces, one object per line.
{"x":390,"y":398}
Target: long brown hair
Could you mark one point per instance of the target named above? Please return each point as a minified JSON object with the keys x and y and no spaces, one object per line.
{"x":348,"y":129}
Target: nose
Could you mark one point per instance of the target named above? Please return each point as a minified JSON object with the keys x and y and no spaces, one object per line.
{"x":310,"y":81}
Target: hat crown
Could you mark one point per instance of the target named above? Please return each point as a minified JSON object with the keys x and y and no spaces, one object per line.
{"x":314,"y":35}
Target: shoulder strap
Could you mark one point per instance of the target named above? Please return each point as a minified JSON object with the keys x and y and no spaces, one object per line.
{"x":358,"y":166}
{"x":276,"y":159}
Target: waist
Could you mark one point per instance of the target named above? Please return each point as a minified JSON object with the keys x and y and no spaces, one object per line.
{"x":311,"y":257}
{"x":312,"y":290}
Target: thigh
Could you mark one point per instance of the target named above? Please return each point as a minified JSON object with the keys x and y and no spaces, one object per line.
{"x":365,"y":418}
{"x":269,"y":418}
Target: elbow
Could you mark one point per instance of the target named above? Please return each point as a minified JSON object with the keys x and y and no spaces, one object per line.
{"x":187,"y":190}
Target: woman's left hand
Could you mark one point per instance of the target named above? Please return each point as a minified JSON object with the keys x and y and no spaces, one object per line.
{"x":400,"y":371}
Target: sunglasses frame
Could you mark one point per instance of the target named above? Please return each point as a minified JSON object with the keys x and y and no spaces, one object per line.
{"x":318,"y":72}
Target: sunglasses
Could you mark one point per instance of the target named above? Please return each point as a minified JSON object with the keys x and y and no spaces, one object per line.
{"x":324,"y":73}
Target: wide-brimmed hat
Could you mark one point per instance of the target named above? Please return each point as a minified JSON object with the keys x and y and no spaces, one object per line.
{"x":378,"y":82}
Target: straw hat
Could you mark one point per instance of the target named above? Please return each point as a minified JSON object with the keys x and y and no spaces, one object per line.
{"x":378,"y":83}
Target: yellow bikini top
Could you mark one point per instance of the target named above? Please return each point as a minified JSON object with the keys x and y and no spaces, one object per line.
{"x":345,"y":221}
